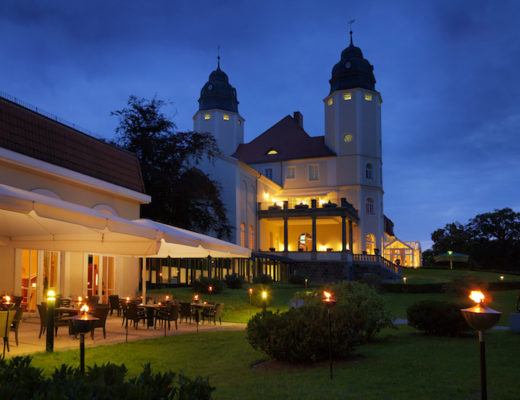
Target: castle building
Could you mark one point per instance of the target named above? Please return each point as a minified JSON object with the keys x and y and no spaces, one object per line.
{"x":301,"y":197}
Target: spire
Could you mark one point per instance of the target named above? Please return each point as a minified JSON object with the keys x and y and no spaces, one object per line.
{"x":350,"y":23}
{"x":218,"y":57}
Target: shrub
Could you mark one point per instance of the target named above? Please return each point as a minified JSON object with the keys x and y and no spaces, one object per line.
{"x":19,"y":380}
{"x":463,"y":285}
{"x":233,"y":281}
{"x":301,"y":334}
{"x":263,"y":279}
{"x":201,"y":285}
{"x":437,"y":318}
{"x":296,"y":279}
{"x":372,"y":280}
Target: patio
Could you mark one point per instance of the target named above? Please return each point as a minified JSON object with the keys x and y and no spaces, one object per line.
{"x":30,"y":328}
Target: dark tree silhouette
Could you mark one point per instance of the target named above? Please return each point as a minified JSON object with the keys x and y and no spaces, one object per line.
{"x":182,"y":195}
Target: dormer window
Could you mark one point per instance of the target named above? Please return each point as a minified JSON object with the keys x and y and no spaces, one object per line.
{"x":368,"y":97}
{"x":330,"y":101}
{"x":225,"y":117}
{"x":347,"y":96}
{"x":272,"y":152}
{"x":207,"y":116}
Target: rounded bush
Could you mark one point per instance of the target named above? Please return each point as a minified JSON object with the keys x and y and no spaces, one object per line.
{"x":202,"y":285}
{"x":301,"y":334}
{"x":233,"y":281}
{"x":435,"y":317}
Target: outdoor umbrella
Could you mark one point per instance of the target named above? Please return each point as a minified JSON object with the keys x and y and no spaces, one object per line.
{"x":451,"y":257}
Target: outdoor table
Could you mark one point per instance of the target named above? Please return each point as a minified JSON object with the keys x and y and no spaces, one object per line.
{"x":199,"y":309}
{"x":150,"y":313}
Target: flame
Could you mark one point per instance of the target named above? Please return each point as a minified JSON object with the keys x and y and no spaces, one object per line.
{"x":80,"y":299}
{"x":84,"y":309}
{"x":196,"y":297}
{"x":128,"y":299}
{"x":210,"y":288}
{"x":7,"y":298}
{"x":327,"y":295}
{"x":477,"y":296}
{"x":167,"y":297}
{"x":250,"y":290}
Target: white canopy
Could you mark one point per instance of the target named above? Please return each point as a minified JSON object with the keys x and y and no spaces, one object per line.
{"x":35,"y":221}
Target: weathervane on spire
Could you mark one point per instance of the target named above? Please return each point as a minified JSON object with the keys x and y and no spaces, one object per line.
{"x":350,"y":23}
{"x":218,"y":56}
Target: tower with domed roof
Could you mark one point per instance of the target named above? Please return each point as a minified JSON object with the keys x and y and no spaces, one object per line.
{"x":353,"y":132}
{"x":218,"y":112}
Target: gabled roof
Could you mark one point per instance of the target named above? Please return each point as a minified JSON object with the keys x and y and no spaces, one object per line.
{"x":28,"y":132}
{"x":286,"y":140}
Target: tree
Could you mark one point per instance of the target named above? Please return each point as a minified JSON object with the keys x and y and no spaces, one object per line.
{"x":182,"y":195}
{"x":454,"y":236}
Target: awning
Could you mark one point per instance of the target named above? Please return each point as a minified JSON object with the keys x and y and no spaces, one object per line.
{"x":34,"y":221}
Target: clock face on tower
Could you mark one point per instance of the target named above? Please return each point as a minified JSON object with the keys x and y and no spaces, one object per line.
{"x":348,"y":64}
{"x":347,"y":138}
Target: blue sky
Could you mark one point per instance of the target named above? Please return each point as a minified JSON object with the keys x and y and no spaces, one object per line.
{"x":447,"y":72}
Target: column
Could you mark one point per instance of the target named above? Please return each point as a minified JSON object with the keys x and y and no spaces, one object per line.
{"x":314,"y":233}
{"x":343,"y":233}
{"x":350,"y":239}
{"x":285,"y":234}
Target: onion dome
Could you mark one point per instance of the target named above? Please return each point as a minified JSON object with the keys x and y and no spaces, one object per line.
{"x":352,"y":71}
{"x":218,"y":93}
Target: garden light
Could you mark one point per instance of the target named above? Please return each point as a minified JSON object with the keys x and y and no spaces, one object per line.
{"x":250,"y":294}
{"x":501,"y":277}
{"x":210,"y":290}
{"x":264,"y":300}
{"x":51,"y":303}
{"x":481,"y":318}
{"x":196,"y":297}
{"x":404,"y":279}
{"x":329,"y":302}
{"x":83,"y":324}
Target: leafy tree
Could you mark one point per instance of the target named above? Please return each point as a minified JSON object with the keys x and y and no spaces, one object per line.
{"x":454,"y":236}
{"x":182,"y":195}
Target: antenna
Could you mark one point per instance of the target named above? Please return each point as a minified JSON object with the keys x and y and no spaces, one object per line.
{"x":350,"y":23}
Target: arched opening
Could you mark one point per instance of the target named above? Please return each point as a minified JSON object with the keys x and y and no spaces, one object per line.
{"x":371,"y":243}
{"x":304,"y":242}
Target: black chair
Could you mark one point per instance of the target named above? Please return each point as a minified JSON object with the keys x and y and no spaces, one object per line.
{"x":113,"y":300}
{"x":101,"y":312}
{"x":168,"y":314}
{"x":17,"y":300}
{"x":16,"y":322}
{"x":92,"y":301}
{"x":185,"y":311}
{"x":42,"y":311}
{"x":134,"y":314}
{"x":212,"y":313}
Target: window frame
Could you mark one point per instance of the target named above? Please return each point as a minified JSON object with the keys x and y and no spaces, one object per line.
{"x":293,"y":169}
{"x":309,"y":167}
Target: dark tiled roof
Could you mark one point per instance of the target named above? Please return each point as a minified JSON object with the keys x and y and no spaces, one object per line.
{"x":288,"y":139}
{"x":34,"y":135}
{"x":389,"y":226}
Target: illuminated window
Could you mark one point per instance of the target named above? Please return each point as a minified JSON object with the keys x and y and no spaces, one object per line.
{"x":207,"y":116}
{"x":371,"y":243}
{"x":347,"y":96}
{"x":347,"y":138}
{"x":330,"y":101}
{"x":243,"y":234}
{"x":272,"y":152}
{"x":269,"y":173}
{"x":369,"y":171}
{"x":251,"y":237}
{"x":225,"y":117}
{"x":314,"y":172}
{"x":239,"y":122}
{"x":368,"y":97}
{"x":369,"y":206}
{"x":291,"y":173}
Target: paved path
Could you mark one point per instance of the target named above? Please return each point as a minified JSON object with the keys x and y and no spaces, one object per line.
{"x":30,"y":329}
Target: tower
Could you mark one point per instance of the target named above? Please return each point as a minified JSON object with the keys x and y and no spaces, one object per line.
{"x":353,"y":132}
{"x":218,"y":112}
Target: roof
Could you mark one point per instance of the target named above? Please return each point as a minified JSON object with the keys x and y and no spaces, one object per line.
{"x":28,"y":132}
{"x":218,"y":93}
{"x":286,"y":140}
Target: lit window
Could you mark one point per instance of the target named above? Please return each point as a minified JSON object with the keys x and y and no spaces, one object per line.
{"x":291,"y":173}
{"x":225,"y":117}
{"x":369,"y":171}
{"x":347,"y":96}
{"x":347,"y":138}
{"x":368,"y":97}
{"x":239,"y":122}
{"x":269,"y":173}
{"x":371,"y":243}
{"x":369,"y":206}
{"x":207,"y":116}
{"x":251,"y":237}
{"x":272,"y":152}
{"x":243,"y":234}
{"x":314,"y":173}
{"x":330,"y":101}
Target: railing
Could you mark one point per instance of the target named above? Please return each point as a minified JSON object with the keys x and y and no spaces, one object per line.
{"x":54,"y":117}
{"x":376,"y":259}
{"x":292,"y":202}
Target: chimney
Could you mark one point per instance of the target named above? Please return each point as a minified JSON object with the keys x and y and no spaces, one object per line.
{"x":298,"y":117}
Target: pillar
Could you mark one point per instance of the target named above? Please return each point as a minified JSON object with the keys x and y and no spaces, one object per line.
{"x":285,"y":234}
{"x":350,"y":239}
{"x":314,"y":233}
{"x":343,"y":233}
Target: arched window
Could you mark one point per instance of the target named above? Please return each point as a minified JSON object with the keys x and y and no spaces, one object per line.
{"x":251,"y":237}
{"x":369,"y":205}
{"x":371,"y":243}
{"x":243,"y":234}
{"x":369,"y":171}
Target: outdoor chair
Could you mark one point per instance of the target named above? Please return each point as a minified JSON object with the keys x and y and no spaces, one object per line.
{"x":6,"y":319}
{"x":16,"y":322}
{"x":42,"y":311}
{"x":185,"y":311}
{"x":92,"y":301}
{"x":214,"y":312}
{"x":134,"y":314}
{"x":17,"y":300}
{"x":101,"y":312}
{"x":113,"y":300}
{"x":61,"y":320}
{"x":168,"y":314}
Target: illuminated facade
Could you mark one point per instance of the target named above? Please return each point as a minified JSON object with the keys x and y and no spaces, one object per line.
{"x":301,"y":196}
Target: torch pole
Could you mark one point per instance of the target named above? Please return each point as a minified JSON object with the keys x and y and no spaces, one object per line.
{"x":483,"y":380}
{"x":330,"y":342}
{"x":49,"y":344}
{"x":82,"y":352}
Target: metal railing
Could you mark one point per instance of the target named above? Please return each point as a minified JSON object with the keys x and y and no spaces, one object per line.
{"x":377,"y":259}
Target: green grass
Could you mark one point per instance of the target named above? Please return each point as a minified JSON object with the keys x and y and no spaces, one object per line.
{"x":424,"y":275}
{"x":399,"y":365}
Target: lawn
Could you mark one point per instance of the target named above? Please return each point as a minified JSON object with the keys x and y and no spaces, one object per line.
{"x":425,"y":275}
{"x":400,"y":364}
